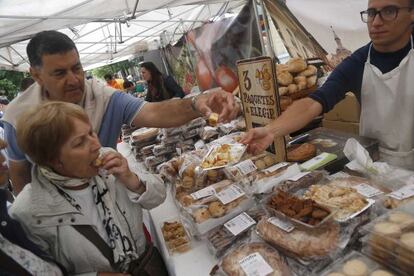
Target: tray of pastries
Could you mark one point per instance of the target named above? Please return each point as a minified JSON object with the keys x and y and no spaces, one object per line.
{"x":175,"y":236}
{"x":302,"y":212}
{"x":346,"y":200}
{"x":222,"y":155}
{"x":254,"y":258}
{"x":302,"y":243}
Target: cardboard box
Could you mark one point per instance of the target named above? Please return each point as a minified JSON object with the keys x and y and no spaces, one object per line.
{"x":347,"y":110}
{"x":348,"y":127}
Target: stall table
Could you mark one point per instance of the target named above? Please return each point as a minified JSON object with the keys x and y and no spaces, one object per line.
{"x":197,"y":261}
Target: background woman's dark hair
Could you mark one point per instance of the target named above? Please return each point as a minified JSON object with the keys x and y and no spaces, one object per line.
{"x":156,"y":81}
{"x":48,"y":43}
{"x":155,"y":73}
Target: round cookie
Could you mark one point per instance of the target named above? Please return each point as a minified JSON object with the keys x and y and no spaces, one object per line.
{"x":401,"y":218}
{"x":216,"y":209}
{"x":407,"y":240}
{"x":387,"y":229}
{"x":201,"y":215}
{"x":355,"y":268}
{"x":189,"y":171}
{"x":406,"y":248}
{"x":212,"y":175}
{"x":381,"y":272}
{"x":383,"y":238}
{"x":188,"y":182}
{"x":260,"y":164}
{"x":185,"y":199}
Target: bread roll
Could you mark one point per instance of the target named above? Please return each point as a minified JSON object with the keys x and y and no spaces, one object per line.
{"x":296,"y":65}
{"x":311,"y":70}
{"x":302,"y":86}
{"x":281,"y":67}
{"x":301,"y":152}
{"x":299,"y":79}
{"x":293,"y":88}
{"x":311,"y":81}
{"x":283,"y":90}
{"x":284,"y":78}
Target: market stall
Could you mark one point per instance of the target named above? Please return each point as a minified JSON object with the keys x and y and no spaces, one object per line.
{"x":318,"y":204}
{"x":230,"y":212}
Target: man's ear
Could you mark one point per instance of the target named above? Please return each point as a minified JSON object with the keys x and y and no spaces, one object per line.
{"x":35,"y":73}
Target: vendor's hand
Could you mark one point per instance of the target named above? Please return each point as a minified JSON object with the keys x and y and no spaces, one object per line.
{"x":219,"y":101}
{"x":117,"y":165}
{"x":257,"y":139}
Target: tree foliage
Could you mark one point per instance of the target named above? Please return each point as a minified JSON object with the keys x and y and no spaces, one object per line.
{"x":10,"y":82}
{"x":111,"y":69}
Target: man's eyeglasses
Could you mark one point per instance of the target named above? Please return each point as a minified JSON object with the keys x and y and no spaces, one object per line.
{"x":388,"y":13}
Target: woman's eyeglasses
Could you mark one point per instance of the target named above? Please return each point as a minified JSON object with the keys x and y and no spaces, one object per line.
{"x":388,"y":13}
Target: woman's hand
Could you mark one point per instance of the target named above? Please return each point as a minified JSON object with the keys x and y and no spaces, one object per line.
{"x":257,"y":139}
{"x":117,"y":165}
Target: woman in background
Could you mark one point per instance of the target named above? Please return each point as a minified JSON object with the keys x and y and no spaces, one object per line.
{"x":160,"y":87}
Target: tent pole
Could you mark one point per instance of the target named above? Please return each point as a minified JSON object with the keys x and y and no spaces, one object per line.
{"x":268,"y":32}
{"x":134,"y":10}
{"x":256,"y":12}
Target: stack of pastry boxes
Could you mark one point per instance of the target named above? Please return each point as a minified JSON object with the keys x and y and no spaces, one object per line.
{"x":390,"y":239}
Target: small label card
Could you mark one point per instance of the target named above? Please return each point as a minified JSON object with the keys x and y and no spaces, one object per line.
{"x":239,"y":223}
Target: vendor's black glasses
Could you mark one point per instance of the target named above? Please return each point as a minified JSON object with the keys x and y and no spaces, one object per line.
{"x":388,"y":13}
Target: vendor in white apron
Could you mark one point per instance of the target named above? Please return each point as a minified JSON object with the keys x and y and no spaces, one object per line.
{"x":381,"y":75}
{"x":387,"y":110}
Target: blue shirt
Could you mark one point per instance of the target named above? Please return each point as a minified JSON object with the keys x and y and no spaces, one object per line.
{"x":122,"y":109}
{"x":347,"y":76}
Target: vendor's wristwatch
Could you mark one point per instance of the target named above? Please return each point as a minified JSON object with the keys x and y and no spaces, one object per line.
{"x":194,"y":107}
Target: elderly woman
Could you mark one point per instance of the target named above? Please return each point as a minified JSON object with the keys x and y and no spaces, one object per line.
{"x":83,"y":200}
{"x":19,"y":255}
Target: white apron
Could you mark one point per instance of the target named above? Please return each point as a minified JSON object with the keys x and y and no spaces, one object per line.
{"x":387,"y":112}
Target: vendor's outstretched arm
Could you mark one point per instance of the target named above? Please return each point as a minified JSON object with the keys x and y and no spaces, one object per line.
{"x":176,"y":112}
{"x":298,"y":115}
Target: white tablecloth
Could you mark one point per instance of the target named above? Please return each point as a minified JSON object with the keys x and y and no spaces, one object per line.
{"x":195,"y":262}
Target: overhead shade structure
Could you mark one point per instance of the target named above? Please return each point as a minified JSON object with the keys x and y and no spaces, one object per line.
{"x":103,"y":30}
{"x":297,"y":40}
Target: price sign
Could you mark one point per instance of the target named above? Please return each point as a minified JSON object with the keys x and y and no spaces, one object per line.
{"x":260,"y":98}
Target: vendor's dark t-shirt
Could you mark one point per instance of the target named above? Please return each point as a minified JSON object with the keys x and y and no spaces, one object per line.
{"x":348,"y":75}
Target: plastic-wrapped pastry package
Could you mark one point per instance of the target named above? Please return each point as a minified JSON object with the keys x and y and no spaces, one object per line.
{"x":255,"y":258}
{"x":356,"y":264}
{"x":389,"y":239}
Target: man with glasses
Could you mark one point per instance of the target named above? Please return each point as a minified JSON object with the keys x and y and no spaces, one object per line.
{"x":380,"y":74}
